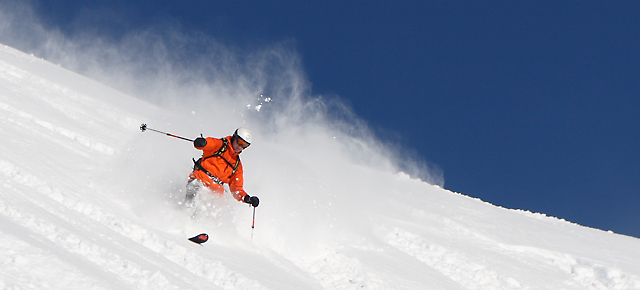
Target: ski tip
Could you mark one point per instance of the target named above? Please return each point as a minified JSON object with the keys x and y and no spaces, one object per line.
{"x":199,"y":239}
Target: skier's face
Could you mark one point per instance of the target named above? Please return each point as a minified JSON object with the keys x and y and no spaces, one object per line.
{"x":239,"y":145}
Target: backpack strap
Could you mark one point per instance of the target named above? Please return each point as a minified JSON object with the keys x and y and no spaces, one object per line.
{"x":218,"y":153}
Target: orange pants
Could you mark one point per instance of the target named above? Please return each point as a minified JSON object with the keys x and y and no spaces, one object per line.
{"x":214,"y":187}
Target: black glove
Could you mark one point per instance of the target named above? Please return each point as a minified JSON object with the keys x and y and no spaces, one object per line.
{"x":200,"y":142}
{"x":252,"y":200}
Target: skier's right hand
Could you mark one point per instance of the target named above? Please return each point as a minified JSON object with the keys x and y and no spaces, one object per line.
{"x":200,"y":142}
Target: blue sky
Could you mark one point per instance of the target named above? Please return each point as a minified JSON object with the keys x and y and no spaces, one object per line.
{"x":524,"y":104}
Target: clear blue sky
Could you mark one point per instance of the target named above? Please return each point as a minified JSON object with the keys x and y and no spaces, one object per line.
{"x":525,"y":104}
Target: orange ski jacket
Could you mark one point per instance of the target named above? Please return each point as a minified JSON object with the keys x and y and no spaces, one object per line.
{"x":221,"y":161}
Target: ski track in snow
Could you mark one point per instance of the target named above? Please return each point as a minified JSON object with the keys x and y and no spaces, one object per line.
{"x":61,"y":231}
{"x":339,"y":271}
{"x":59,"y":103}
{"x":585,"y":274}
{"x":457,"y":266}
{"x":27,"y":122}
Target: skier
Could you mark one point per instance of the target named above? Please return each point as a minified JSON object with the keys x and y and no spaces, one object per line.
{"x":220,"y":164}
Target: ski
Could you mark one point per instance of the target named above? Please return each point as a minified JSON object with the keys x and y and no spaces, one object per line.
{"x":200,"y":239}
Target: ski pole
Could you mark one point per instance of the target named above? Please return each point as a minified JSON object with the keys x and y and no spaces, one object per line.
{"x":253,"y":223}
{"x":254,"y":218}
{"x":144,"y":127}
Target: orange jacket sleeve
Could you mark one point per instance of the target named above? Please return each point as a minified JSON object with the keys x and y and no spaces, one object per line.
{"x":212,"y":144}
{"x":236,"y":184}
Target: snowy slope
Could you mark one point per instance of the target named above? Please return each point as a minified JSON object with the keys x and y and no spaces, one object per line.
{"x":87,"y":201}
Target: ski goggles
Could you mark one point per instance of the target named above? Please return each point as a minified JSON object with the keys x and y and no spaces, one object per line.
{"x":242,"y":143}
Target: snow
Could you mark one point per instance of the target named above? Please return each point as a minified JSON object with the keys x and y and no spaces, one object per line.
{"x":90,"y":202}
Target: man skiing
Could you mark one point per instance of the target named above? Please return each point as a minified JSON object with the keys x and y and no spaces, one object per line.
{"x":220,"y":164}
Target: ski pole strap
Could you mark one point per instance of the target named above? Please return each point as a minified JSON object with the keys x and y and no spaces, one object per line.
{"x":198,"y":166}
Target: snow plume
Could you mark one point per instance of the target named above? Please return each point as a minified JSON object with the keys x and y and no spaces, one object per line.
{"x":306,"y":147}
{"x":211,"y":86}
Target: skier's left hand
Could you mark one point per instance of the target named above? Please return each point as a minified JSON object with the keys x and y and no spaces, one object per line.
{"x":252,"y":200}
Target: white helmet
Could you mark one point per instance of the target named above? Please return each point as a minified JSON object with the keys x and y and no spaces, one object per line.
{"x":244,"y":134}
